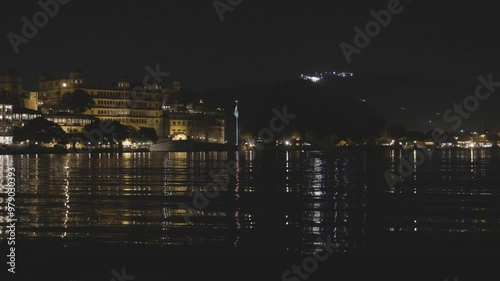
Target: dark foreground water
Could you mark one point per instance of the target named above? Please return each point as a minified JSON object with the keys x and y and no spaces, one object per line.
{"x":81,"y":216}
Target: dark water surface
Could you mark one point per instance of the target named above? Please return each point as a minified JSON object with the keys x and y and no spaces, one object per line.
{"x":111,"y":209}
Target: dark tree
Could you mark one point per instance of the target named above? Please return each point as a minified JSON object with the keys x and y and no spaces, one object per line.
{"x":309,"y":136}
{"x":247,"y":135}
{"x":18,"y":134}
{"x":42,"y":130}
{"x":374,"y":129}
{"x":78,"y":101}
{"x":145,"y":135}
{"x":396,"y":132}
{"x":415,"y":136}
{"x":120,"y":132}
{"x":97,"y":132}
{"x":101,"y":131}
{"x":329,"y":141}
{"x":75,"y":138}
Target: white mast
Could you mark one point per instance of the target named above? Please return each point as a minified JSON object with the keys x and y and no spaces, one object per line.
{"x":237,"y":115}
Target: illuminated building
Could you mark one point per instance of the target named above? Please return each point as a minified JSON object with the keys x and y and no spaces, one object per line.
{"x":51,"y":89}
{"x":184,"y":119}
{"x":129,"y":107}
{"x":70,"y":123}
{"x":22,"y":115}
{"x":133,"y":105}
{"x":195,"y":121}
{"x":30,"y":100}
{"x":6,"y":123}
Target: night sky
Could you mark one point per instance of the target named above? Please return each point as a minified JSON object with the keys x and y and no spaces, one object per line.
{"x":260,"y":41}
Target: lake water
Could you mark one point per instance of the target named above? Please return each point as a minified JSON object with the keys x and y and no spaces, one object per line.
{"x":278,"y":203}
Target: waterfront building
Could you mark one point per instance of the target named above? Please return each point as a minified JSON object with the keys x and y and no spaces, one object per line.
{"x":30,"y":101}
{"x":70,"y":123}
{"x":131,"y":104}
{"x":22,"y":115}
{"x":195,"y":121}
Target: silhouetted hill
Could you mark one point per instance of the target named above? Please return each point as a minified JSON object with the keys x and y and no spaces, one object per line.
{"x":318,"y":108}
{"x":345,"y":106}
{"x":414,"y":101}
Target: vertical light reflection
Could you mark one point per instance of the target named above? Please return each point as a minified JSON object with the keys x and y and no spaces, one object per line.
{"x":35,"y":169}
{"x":317,"y":184}
{"x":392,"y":157}
{"x":392,"y":168}
{"x":415,"y":165}
{"x":6,"y":162}
{"x":67,"y":198}
{"x":472,"y":160}
{"x":338,"y":212}
{"x":237,"y":197}
{"x":237,"y":189}
{"x":167,"y":176}
{"x":287,"y":173}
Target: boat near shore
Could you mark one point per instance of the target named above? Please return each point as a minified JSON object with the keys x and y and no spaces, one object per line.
{"x":189,"y":145}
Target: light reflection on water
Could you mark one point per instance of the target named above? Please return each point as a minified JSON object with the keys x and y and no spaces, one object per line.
{"x":453,"y":191}
{"x":278,"y":202}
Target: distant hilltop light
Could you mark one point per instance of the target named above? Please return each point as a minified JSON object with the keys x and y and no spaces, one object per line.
{"x":319,"y":76}
{"x":311,"y":78}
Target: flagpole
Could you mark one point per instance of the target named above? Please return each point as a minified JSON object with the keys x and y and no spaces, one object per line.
{"x":237,"y":129}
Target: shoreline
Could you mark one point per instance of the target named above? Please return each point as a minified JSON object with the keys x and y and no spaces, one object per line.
{"x":39,"y":150}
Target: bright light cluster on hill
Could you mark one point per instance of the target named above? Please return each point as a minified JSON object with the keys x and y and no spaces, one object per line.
{"x":320,"y":76}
